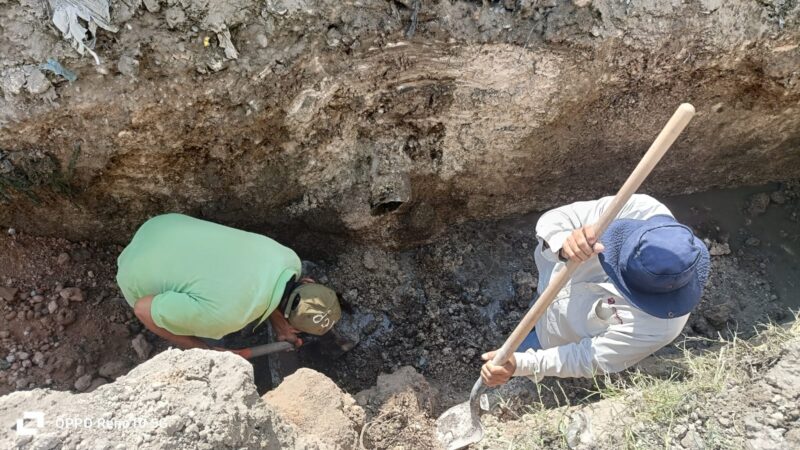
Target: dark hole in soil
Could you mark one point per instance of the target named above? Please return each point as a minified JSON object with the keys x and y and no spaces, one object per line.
{"x":385,"y":207}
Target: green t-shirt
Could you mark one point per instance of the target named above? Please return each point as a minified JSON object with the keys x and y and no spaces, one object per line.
{"x":208,"y":279}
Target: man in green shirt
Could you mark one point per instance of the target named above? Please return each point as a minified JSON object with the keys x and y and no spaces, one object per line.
{"x":190,"y":281}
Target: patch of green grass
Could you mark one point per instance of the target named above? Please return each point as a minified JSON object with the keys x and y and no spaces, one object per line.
{"x":651,"y":407}
{"x":655,"y":405}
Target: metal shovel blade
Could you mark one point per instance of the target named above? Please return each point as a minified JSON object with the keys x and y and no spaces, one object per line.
{"x":461,"y":425}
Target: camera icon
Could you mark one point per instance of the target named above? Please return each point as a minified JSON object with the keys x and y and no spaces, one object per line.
{"x":30,"y":429}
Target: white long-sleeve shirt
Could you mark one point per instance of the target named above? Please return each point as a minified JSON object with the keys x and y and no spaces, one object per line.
{"x":590,"y":328}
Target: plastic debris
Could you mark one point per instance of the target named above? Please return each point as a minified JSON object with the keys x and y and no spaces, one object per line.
{"x":95,"y":12}
{"x":55,"y":67}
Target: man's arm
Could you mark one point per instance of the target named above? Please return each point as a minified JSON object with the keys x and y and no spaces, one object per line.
{"x":284,"y":331}
{"x":574,"y":222}
{"x":142,"y":311}
{"x":613,"y":351}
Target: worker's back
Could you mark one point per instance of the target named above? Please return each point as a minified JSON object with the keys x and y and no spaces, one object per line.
{"x":208,"y":279}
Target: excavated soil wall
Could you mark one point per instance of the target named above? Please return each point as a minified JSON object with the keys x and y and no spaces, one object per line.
{"x":383,"y":120}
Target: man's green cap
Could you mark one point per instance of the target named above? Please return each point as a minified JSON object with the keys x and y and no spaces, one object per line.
{"x":313,"y":308}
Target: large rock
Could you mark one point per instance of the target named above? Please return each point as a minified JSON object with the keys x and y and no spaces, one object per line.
{"x":316,"y":406}
{"x":485,"y":111}
{"x":179,"y":399}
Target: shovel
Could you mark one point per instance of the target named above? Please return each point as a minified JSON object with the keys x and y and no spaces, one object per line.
{"x":266,"y":349}
{"x":461,"y":425}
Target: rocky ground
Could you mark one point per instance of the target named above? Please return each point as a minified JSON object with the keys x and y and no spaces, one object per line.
{"x":65,"y":326}
{"x":742,"y":394}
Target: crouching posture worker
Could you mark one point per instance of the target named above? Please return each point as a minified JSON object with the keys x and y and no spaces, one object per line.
{"x":188,"y":279}
{"x":631,"y":296}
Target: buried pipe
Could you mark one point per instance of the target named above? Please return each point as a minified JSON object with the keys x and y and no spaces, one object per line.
{"x":390,"y":182}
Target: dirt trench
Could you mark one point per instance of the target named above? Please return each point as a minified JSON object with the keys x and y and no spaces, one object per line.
{"x":378,"y":122}
{"x":406,"y":308}
{"x":406,"y":164}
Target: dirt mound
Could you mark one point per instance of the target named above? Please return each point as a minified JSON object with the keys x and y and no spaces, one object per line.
{"x":178,"y":399}
{"x":400,"y":411}
{"x":317,"y":407}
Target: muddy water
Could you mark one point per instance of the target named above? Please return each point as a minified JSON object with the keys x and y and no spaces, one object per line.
{"x":723,"y":215}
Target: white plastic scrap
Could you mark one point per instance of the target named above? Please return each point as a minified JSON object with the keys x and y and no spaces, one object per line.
{"x":95,"y":12}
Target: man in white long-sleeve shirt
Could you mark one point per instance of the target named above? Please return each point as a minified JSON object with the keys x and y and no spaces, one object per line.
{"x":631,"y":296}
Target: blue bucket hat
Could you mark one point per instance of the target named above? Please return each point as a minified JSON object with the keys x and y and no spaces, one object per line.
{"x":658,"y":264}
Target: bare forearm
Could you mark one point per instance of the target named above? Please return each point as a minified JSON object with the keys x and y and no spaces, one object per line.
{"x":283,"y":330}
{"x":185,"y":342}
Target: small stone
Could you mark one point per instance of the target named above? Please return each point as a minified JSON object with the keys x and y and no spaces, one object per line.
{"x":83,"y":383}
{"x":692,"y":441}
{"x":36,"y":82}
{"x":11,"y":232}
{"x":725,"y":422}
{"x":128,"y":66}
{"x":333,"y":37}
{"x":152,"y":5}
{"x":11,"y":358}
{"x":37,"y":299}
{"x":62,"y":259}
{"x":753,"y":242}
{"x":777,"y":197}
{"x":23,"y":356}
{"x":215,"y":65}
{"x":38,"y":359}
{"x":5,"y":334}
{"x":96,"y":383}
{"x":262,"y":41}
{"x":175,"y":17}
{"x":8,"y":294}
{"x":369,"y":261}
{"x":141,"y":347}
{"x":12,"y":81}
{"x":718,"y":249}
{"x":758,"y":204}
{"x":72,"y":294}
{"x":52,"y":306}
{"x":22,"y":383}
{"x":113,"y":369}
{"x":11,"y":316}
{"x":751,"y":425}
{"x":65,"y":317}
{"x":29,"y":315}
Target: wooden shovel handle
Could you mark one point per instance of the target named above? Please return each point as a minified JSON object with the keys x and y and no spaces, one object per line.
{"x":266,"y":349}
{"x":671,"y":130}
